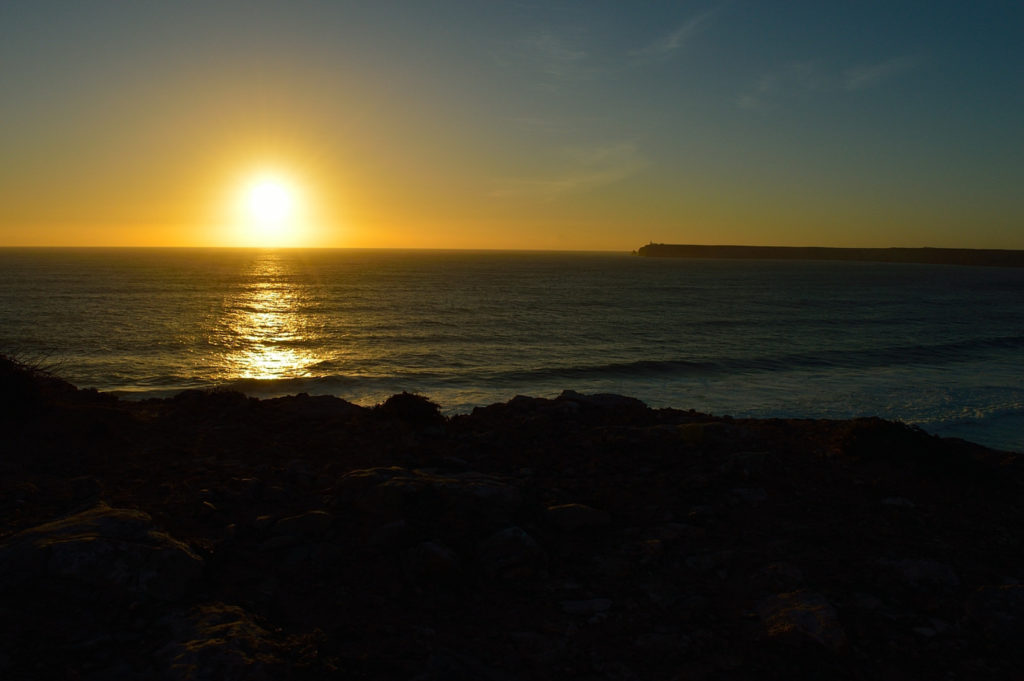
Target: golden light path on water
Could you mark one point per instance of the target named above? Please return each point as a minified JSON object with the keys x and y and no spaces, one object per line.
{"x":266,"y":326}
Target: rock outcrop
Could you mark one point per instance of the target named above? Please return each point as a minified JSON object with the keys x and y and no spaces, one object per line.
{"x":215,"y":536}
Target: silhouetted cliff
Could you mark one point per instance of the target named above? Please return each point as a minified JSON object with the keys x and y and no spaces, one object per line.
{"x":935,"y":256}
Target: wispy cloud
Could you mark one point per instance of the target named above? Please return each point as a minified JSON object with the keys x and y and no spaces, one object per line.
{"x":538,"y":124}
{"x":667,"y":45}
{"x":800,"y":78}
{"x":870,"y":75}
{"x":582,"y":170}
{"x":805,"y":76}
{"x":559,"y":58}
{"x":554,"y":57}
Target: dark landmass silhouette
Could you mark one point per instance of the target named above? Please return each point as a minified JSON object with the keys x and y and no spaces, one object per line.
{"x":213,"y":535}
{"x":934,"y":256}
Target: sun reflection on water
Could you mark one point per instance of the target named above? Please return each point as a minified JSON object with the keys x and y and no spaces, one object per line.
{"x":266,"y":327}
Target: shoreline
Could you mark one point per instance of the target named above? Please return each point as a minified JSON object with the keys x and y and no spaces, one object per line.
{"x":981,"y":430}
{"x":581,"y":536}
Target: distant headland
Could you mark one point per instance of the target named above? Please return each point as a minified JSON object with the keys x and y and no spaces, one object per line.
{"x":934,"y":256}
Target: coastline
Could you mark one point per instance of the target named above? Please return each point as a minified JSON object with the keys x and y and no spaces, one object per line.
{"x":581,"y":536}
{"x":931,"y":256}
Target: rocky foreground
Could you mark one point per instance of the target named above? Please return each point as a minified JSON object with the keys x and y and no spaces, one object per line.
{"x":214,"y":536}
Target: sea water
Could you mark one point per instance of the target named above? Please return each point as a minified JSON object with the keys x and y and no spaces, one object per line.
{"x":932,"y":345}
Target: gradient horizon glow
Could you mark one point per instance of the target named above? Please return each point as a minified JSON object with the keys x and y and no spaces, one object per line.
{"x":560,"y":125}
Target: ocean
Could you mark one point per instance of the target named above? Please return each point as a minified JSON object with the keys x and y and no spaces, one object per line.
{"x":941,"y":347}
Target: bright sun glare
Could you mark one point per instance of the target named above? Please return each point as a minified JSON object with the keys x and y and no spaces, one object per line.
{"x":270,"y":209}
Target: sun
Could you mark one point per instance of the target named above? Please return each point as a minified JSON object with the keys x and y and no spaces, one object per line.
{"x":269,"y":199}
{"x":269,"y":207}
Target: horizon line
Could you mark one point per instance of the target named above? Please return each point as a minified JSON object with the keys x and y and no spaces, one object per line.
{"x":485,"y":249}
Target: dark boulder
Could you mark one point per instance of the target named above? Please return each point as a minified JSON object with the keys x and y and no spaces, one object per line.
{"x":802,"y":615}
{"x":511,"y":554}
{"x":218,"y":642}
{"x":113,"y":554}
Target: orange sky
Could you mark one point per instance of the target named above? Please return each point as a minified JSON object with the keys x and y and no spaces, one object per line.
{"x":464,"y":126}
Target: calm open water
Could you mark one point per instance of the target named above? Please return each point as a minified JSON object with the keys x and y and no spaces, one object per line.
{"x":938,"y":346}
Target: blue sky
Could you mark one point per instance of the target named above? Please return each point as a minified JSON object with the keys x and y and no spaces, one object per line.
{"x":520,"y":124}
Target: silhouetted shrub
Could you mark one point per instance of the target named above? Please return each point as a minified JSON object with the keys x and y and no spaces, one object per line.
{"x":875,"y":438}
{"x":24,"y":385}
{"x":415,"y":409}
